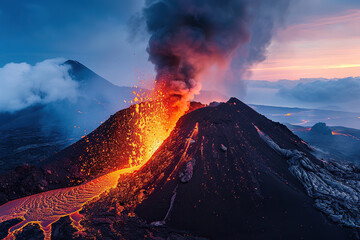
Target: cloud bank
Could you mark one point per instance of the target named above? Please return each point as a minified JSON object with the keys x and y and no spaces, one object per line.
{"x":334,"y":91}
{"x":24,"y":85}
{"x":334,"y":94}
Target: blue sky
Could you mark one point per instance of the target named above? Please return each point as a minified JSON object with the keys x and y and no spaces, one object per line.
{"x":93,"y":32}
{"x":96,"y":33}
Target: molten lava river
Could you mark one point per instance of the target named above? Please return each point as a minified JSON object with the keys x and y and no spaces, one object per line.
{"x":153,"y":125}
{"x":48,"y":207}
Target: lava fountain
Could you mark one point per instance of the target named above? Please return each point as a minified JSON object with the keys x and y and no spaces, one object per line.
{"x":187,"y":38}
{"x":154,"y":122}
{"x":155,"y":119}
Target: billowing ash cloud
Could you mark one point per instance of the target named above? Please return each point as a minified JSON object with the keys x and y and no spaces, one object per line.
{"x":267,"y":17}
{"x":190,"y":36}
{"x":330,"y":92}
{"x":23,"y":85}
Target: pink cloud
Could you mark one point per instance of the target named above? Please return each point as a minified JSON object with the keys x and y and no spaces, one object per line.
{"x":322,"y":47}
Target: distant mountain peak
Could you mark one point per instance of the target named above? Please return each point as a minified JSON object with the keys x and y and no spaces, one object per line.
{"x":74,"y":63}
{"x":81,"y":73}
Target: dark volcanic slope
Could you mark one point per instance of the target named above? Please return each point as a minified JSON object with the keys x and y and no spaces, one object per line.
{"x":216,"y":177}
{"x":39,"y":131}
{"x":102,"y":151}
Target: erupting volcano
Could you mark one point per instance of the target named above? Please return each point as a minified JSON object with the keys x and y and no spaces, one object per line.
{"x":224,"y":171}
{"x":169,"y":168}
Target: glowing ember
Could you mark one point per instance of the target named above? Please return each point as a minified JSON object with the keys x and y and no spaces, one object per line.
{"x":155,"y":119}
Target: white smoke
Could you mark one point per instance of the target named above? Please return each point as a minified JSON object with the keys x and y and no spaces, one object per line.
{"x":23,"y":85}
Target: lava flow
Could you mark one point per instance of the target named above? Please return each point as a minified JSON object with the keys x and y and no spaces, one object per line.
{"x":48,"y":207}
{"x":344,"y":134}
{"x":153,"y":124}
{"x":192,"y":37}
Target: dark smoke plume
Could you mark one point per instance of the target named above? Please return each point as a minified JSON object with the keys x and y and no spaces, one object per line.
{"x":189,"y":36}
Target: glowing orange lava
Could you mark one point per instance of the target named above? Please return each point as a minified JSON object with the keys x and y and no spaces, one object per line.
{"x":48,"y":207}
{"x":302,"y":130}
{"x":345,"y":135}
{"x":155,"y":119}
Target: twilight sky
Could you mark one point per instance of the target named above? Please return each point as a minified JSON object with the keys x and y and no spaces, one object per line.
{"x":320,"y":38}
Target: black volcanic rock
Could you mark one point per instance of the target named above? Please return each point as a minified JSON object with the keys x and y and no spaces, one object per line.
{"x":102,"y":151}
{"x":215,"y":177}
{"x":321,"y":129}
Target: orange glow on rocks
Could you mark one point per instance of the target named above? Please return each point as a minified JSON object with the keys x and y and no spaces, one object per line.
{"x":150,"y":123}
{"x":344,"y":134}
{"x":48,"y":207}
{"x":154,"y":120}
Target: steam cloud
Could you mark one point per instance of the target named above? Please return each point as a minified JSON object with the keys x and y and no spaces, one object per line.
{"x":190,"y":36}
{"x":23,"y":85}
